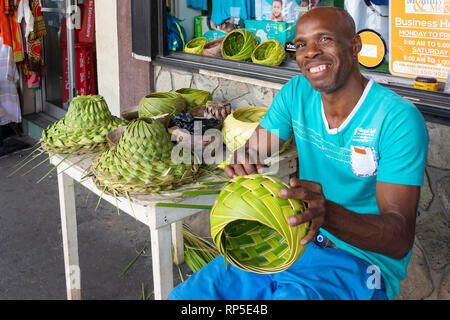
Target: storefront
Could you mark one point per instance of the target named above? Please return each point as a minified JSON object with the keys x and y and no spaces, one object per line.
{"x":394,"y":62}
{"x":69,"y":60}
{"x":402,"y":40}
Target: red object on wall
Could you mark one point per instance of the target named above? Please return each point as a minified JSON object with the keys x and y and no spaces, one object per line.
{"x":87,"y":31}
{"x":84,"y":53}
{"x":84,"y":68}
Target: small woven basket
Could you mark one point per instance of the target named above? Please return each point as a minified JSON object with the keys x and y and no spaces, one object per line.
{"x":159,"y":103}
{"x":196,"y":45}
{"x":239,"y":126}
{"x":194,"y":97}
{"x":249,"y":225}
{"x":270,"y":52}
{"x":239,"y":45}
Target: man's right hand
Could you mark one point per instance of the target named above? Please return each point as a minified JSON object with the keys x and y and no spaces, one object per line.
{"x":235,"y":170}
{"x":248,"y":159}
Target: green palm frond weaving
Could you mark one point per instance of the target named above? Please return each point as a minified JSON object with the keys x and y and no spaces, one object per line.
{"x":270,"y":52}
{"x":141,"y":161}
{"x":239,"y":45}
{"x":86,"y":124}
{"x":196,"y":45}
{"x":158,"y":103}
{"x":249,"y":225}
{"x":194,"y":97}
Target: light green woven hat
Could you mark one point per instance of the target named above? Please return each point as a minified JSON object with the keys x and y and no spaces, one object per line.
{"x":249,"y":225}
{"x":85,"y":125}
{"x":158,"y":103}
{"x":141,"y":162}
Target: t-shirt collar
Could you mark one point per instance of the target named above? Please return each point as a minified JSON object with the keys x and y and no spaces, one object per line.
{"x":350,"y":116}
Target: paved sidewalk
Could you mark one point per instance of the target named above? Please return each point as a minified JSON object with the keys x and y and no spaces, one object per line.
{"x":32,"y":265}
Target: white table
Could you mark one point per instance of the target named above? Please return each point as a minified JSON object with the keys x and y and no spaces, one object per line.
{"x":166,"y":224}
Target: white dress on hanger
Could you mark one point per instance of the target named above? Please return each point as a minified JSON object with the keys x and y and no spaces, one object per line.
{"x":9,"y":97}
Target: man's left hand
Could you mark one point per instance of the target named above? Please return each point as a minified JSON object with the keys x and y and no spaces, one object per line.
{"x":311,"y":193}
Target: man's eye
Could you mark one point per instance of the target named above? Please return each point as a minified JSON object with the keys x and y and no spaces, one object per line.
{"x":325,"y":39}
{"x":300,"y":45}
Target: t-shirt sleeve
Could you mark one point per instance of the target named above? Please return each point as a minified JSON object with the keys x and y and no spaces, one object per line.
{"x":403,"y":147}
{"x":278,"y":119}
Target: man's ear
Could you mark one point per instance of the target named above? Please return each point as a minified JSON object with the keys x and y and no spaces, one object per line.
{"x":357,"y":45}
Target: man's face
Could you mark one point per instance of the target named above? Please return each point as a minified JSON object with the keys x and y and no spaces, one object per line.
{"x":324,"y":50}
{"x":276,"y":8}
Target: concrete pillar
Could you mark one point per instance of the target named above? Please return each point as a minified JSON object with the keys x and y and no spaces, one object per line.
{"x":122,"y":79}
{"x":108,"y":53}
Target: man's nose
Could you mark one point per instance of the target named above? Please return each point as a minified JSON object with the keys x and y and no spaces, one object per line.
{"x":312,"y":50}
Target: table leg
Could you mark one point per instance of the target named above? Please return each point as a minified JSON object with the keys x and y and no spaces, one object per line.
{"x":162,"y":262}
{"x":69,"y":235}
{"x":177,"y":242}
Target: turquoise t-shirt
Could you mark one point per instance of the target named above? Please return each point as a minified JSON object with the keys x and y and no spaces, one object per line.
{"x":222,"y":10}
{"x":384,"y":139}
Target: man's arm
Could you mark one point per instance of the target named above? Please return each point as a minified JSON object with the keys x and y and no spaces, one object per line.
{"x":391,"y":233}
{"x":249,"y":158}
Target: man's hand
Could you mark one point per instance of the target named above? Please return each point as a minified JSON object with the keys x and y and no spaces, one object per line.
{"x":242,"y":169}
{"x":311,"y":193}
{"x":249,"y":158}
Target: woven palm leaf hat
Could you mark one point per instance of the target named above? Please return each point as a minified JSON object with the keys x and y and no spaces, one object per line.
{"x":84,"y":127}
{"x":249,"y":225}
{"x":159,"y":103}
{"x":141,"y":161}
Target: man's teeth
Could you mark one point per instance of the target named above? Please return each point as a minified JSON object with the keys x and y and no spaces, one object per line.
{"x":318,"y":68}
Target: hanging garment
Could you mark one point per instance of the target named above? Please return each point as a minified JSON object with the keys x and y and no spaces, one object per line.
{"x":34,"y":62}
{"x":5,"y":31}
{"x":176,"y":34}
{"x":16,"y":37}
{"x":222,"y":10}
{"x":9,"y":29}
{"x":24,"y":13}
{"x":198,"y":4}
{"x":9,"y":97}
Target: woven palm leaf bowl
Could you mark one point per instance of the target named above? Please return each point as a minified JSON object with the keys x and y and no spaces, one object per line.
{"x":196,"y":45}
{"x":194,"y":97}
{"x":83,"y":129}
{"x":158,"y":103}
{"x":240,"y":124}
{"x":270,"y":52}
{"x":141,"y":162}
{"x":239,"y":44}
{"x":249,"y":225}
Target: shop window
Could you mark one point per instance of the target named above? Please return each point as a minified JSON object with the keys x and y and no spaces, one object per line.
{"x":402,"y":40}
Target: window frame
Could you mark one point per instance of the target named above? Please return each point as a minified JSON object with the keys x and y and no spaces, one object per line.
{"x":435,"y":106}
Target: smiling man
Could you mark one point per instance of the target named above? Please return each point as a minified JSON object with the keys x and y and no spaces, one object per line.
{"x":362,"y":152}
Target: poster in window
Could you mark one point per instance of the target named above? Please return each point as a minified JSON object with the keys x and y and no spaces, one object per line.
{"x":420,"y":38}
